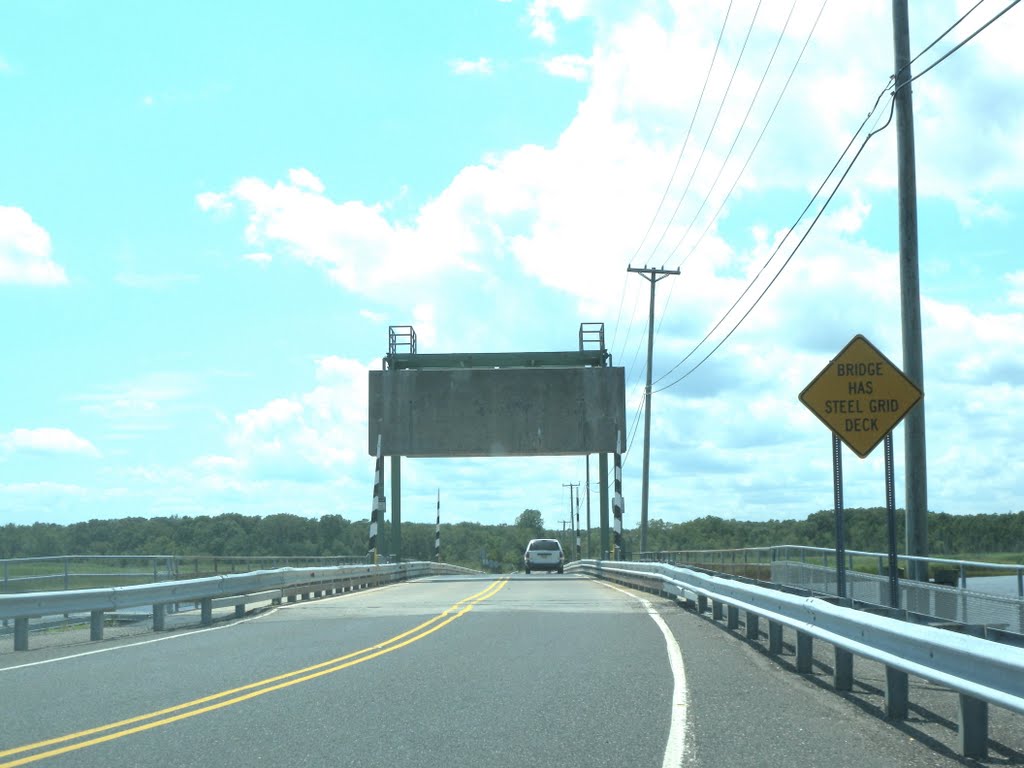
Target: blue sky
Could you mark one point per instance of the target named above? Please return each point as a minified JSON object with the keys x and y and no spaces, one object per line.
{"x":211,"y":213}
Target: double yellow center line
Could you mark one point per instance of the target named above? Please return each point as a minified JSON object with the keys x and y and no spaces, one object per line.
{"x":104,"y":733}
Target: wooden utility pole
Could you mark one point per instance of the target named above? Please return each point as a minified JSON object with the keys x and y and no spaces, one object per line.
{"x":910,"y":296}
{"x":652,"y":275}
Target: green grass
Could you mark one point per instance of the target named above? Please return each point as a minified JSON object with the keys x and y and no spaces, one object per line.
{"x":49,"y":575}
{"x":870,"y":564}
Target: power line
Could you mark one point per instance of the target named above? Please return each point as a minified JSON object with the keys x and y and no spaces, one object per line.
{"x":671,"y":178}
{"x":803,"y":213}
{"x":796,"y":223}
{"x":753,"y":149}
{"x":711,"y":132}
{"x":964,"y":42}
{"x":760,"y":136}
{"x":743,"y":124}
{"x":789,"y":258}
{"x":938,"y":39}
{"x":679,"y":157}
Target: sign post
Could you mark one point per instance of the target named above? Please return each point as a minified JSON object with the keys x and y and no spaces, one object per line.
{"x":861,"y":396}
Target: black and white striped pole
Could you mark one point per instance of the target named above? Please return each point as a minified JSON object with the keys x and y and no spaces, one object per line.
{"x":377,"y":513}
{"x":437,"y":530}
{"x":617,"y":500}
{"x":577,"y":526}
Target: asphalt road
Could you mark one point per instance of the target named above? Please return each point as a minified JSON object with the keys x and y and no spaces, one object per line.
{"x":481,"y":672}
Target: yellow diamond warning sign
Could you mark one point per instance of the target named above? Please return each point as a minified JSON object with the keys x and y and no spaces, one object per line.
{"x":861,"y":396}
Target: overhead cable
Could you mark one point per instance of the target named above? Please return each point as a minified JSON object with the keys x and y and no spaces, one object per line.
{"x":711,"y":132}
{"x":789,"y":258}
{"x":686,"y":139}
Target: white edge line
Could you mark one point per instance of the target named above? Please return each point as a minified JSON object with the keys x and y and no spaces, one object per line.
{"x":675,"y":747}
{"x":179,"y":635}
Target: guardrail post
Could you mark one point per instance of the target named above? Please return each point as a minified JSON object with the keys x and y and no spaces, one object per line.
{"x":716,"y":610}
{"x":240,"y":610}
{"x":842,"y":674}
{"x":21,"y":634}
{"x":96,"y":625}
{"x":774,"y":637}
{"x":702,"y":603}
{"x":158,"y":617}
{"x":733,"y":617}
{"x":973,"y":727}
{"x":206,"y":611}
{"x":753,"y":631}
{"x":804,"y":652}
{"x":896,"y":694}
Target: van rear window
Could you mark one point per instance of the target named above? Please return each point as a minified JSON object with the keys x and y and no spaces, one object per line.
{"x":551,"y":545}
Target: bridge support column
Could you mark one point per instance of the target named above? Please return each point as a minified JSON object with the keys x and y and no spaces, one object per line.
{"x":896,"y":694}
{"x":95,"y":625}
{"x":804,"y":652}
{"x":602,"y":476}
{"x":842,"y":671}
{"x":973,"y":727}
{"x":774,"y":637}
{"x":396,"y":508}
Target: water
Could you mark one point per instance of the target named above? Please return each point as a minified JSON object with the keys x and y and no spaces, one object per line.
{"x":993,"y":585}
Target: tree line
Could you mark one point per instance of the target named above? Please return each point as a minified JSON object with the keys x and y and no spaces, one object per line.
{"x":499,"y":547}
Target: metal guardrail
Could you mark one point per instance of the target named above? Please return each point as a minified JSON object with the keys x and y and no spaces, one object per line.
{"x":25,"y":574}
{"x":234,"y":589}
{"x":751,"y":557}
{"x":958,"y":591}
{"x":980,"y":671}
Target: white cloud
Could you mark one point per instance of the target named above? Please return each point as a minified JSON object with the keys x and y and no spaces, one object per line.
{"x":219,"y":463}
{"x":572,"y":66}
{"x":357,"y":246}
{"x":274,"y":413}
{"x":25,"y":251}
{"x":305,"y":438}
{"x":482,"y":66}
{"x":144,"y":404}
{"x":259,"y":257}
{"x":301,"y":177}
{"x":212,"y":201}
{"x":568,"y":216}
{"x":542,"y":26}
{"x":425,"y":323}
{"x":1016,"y":281}
{"x":47,"y":440}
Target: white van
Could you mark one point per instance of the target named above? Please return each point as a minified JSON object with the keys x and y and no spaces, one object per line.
{"x":543,"y":555}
